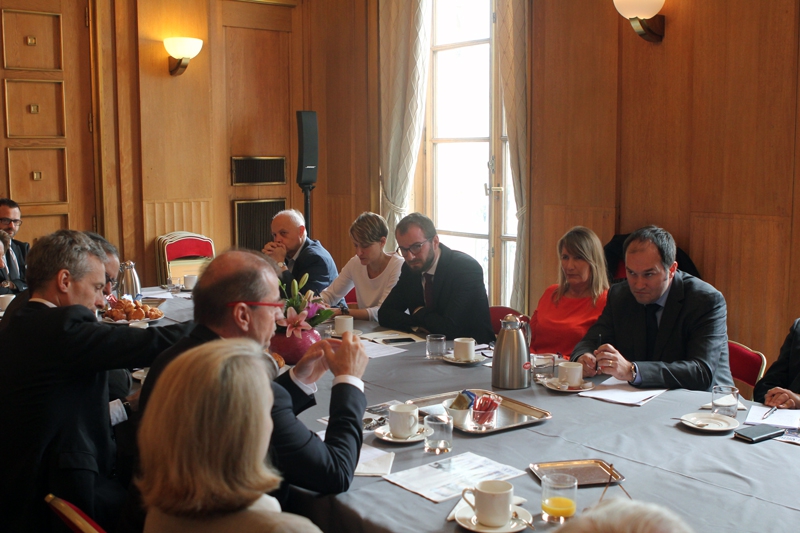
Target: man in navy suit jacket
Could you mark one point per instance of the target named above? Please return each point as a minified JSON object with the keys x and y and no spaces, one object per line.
{"x":297,"y":255}
{"x":440,"y":290}
{"x":780,"y":386}
{"x":12,"y":277}
{"x":663,"y":328}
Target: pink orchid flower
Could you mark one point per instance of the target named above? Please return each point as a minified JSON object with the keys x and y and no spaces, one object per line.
{"x":294,"y":323}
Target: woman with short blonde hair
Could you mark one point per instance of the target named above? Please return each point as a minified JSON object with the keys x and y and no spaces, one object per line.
{"x":567,"y":310}
{"x":203,"y":443}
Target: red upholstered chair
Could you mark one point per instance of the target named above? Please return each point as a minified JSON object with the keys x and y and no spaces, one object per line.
{"x":497,"y":313}
{"x":747,"y":367}
{"x":76,"y":519}
{"x":350,"y":298}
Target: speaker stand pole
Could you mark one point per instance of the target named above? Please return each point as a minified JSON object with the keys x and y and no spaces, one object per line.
{"x":307,"y":206}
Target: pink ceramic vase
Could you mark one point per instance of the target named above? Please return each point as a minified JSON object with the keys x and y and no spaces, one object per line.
{"x":292,"y":348}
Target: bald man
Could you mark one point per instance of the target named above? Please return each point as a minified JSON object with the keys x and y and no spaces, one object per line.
{"x":297,"y":255}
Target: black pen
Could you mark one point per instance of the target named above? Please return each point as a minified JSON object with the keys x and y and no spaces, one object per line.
{"x":599,"y":344}
{"x":769,"y":413}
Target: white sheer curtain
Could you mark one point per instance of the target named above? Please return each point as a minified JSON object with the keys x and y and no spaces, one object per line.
{"x":404,"y":33}
{"x":513,"y":46}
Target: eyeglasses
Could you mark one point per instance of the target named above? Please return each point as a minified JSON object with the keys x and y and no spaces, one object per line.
{"x":109,"y":279}
{"x":6,"y":221}
{"x":414,"y":249}
{"x":280,"y":304}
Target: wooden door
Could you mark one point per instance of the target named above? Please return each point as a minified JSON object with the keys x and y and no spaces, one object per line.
{"x":47,"y":149}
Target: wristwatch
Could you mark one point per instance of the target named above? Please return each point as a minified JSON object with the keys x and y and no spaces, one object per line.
{"x":281,"y":265}
{"x":8,"y":285}
{"x":633,"y":372}
{"x":345,"y":309}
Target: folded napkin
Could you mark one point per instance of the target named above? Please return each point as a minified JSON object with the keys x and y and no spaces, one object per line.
{"x":461,"y":504}
{"x":377,"y":466}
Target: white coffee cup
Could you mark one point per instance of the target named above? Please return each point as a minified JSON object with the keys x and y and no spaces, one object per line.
{"x":342,"y":324}
{"x":189,"y":282}
{"x":5,"y":299}
{"x":460,"y":416}
{"x":571,"y":372}
{"x":403,"y":420}
{"x":493,"y":500}
{"x":464,"y":349}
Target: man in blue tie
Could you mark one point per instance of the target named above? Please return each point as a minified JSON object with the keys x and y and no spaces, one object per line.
{"x":440,"y":290}
{"x":12,"y":276}
{"x":662,"y":328}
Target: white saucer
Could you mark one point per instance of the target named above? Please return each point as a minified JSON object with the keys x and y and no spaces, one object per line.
{"x":383,"y":433}
{"x":716,"y":423}
{"x":552,"y":384}
{"x":448,"y":358}
{"x":140,"y":374}
{"x":466,"y":518}
{"x":355,"y":332}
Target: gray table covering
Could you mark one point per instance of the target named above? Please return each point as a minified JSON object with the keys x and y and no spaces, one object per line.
{"x":716,"y":482}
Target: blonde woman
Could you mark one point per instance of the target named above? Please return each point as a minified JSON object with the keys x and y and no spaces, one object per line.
{"x":371,"y":271}
{"x":203,"y":443}
{"x":567,"y":310}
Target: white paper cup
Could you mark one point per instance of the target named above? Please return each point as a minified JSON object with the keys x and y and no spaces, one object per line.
{"x":5,"y":299}
{"x":189,"y":282}
{"x":342,"y":324}
{"x":460,"y":416}
{"x":492,"y":501}
{"x":464,"y":349}
{"x":571,"y":372}
{"x":403,"y":420}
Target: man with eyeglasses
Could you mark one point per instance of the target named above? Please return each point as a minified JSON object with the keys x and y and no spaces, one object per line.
{"x":54,"y":386}
{"x":440,"y":290}
{"x":237,"y":296}
{"x":12,"y":276}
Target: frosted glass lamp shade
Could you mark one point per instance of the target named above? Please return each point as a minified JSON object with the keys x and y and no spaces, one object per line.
{"x":180,"y":47}
{"x":642,"y":9}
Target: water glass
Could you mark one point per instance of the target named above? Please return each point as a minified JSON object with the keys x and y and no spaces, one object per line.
{"x":440,"y":439}
{"x":484,"y":420}
{"x":325,"y":331}
{"x":725,"y":400}
{"x":559,"y":497}
{"x":435,"y":346}
{"x":543,"y":365}
{"x":173,"y":285}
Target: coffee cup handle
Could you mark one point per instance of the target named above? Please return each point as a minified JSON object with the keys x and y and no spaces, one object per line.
{"x":464,"y":496}
{"x":412,"y":420}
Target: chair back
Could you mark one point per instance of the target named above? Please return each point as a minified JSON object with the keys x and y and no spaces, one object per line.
{"x":497,"y":313}
{"x":76,"y":520}
{"x":350,"y":298}
{"x":747,"y":367}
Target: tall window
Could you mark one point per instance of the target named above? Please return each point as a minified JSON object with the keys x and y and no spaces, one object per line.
{"x":467,"y":178}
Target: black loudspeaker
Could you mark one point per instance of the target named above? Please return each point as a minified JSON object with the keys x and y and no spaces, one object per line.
{"x":308,"y":148}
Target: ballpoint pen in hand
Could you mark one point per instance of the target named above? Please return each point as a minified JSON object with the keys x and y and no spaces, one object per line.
{"x":599,"y":344}
{"x":769,"y":413}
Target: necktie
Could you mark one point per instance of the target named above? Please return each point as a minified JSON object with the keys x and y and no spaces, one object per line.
{"x":651,"y":325}
{"x":428,"y":290}
{"x":11,"y":263}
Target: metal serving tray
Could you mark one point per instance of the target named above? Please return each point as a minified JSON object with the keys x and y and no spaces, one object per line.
{"x":153,"y":302}
{"x":511,"y":413}
{"x":587,"y":471}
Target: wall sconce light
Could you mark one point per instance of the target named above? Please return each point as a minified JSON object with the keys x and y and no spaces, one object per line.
{"x":643,"y":16}
{"x":181,"y":50}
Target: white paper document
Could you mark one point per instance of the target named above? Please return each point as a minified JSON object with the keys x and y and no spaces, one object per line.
{"x":371,"y":461}
{"x":375,"y":350}
{"x":391,"y":337}
{"x":782,"y":418}
{"x":445,"y":478}
{"x":616,"y":391}
{"x":791,"y":436}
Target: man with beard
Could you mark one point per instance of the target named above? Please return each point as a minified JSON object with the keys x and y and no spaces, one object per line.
{"x":439,"y":291}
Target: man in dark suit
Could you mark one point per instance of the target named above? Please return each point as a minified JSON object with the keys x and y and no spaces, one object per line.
{"x":54,"y":407}
{"x":780,"y":386}
{"x":440,"y":290}
{"x":298,"y":255}
{"x":663,"y":328}
{"x":12,"y":276}
{"x":237,"y":296}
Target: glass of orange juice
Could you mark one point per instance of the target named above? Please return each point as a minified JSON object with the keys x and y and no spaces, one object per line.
{"x":559,"y":497}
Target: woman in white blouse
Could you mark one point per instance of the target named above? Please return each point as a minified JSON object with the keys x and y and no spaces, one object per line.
{"x":372,"y":271}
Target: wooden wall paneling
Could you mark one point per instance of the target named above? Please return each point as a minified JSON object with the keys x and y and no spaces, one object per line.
{"x":656,"y":146}
{"x":746,"y":258}
{"x":793,"y":303}
{"x":175,"y":114}
{"x":744,"y":93}
{"x":558,"y":219}
{"x":574,"y":119}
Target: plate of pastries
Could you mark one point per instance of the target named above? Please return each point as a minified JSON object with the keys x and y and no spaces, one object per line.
{"x":125,"y":311}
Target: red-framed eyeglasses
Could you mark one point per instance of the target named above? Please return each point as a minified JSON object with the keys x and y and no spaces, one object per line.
{"x":265,"y":304}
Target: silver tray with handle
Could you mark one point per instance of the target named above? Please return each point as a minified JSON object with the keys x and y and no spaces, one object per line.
{"x":586,"y":471}
{"x":511,"y":413}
